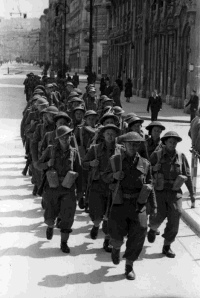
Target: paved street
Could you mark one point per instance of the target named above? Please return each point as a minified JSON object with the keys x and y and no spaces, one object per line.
{"x":32,"y":266}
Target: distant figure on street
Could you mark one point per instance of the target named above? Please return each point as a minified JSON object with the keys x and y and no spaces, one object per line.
{"x":128,"y":90}
{"x":69,"y":79}
{"x":155,"y":104}
{"x":119,"y":83}
{"x":194,"y":104}
{"x":75,"y":80}
{"x":115,"y":95}
{"x":102,"y":86}
{"x":108,"y":88}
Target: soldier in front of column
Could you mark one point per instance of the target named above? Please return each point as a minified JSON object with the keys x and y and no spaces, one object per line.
{"x":96,"y":161}
{"x":63,"y":178}
{"x":171,"y":170}
{"x":130,"y":177}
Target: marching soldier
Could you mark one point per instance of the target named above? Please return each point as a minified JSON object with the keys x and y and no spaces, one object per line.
{"x":171,"y":171}
{"x":64,"y":175}
{"x":41,"y":129}
{"x":131,"y":180}
{"x":96,"y":161}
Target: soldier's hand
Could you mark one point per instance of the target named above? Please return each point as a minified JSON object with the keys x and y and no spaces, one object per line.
{"x":118,"y":175}
{"x":94,"y":163}
{"x":50,"y":163}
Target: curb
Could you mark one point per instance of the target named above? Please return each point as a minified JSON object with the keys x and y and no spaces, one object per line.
{"x":167,"y":120}
{"x":190,"y":217}
{"x":149,"y":118}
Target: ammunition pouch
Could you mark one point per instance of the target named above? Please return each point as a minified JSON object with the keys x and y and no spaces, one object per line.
{"x":69,"y":179}
{"x":52,"y":178}
{"x":144,"y":194}
{"x":178,"y":183}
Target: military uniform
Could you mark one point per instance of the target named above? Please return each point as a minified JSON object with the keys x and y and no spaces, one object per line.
{"x":60,"y":200}
{"x":99,"y":190}
{"x":167,"y":167}
{"x":127,"y":216}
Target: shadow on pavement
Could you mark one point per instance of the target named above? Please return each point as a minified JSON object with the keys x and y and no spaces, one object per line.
{"x":94,"y":277}
{"x":16,"y":197}
{"x":32,"y":213}
{"x":14,"y":169}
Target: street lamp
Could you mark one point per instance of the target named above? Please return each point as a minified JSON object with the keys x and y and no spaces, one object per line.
{"x":64,"y":8}
{"x":90,"y":79}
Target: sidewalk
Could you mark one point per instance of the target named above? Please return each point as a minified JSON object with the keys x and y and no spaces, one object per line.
{"x":138,"y":106}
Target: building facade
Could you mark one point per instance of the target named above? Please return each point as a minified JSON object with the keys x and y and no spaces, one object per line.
{"x":156,"y":44}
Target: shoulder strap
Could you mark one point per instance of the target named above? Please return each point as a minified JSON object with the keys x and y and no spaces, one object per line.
{"x":81,"y":135}
{"x":95,"y":150}
{"x":159,"y":155}
{"x":72,"y":159}
{"x":180,"y":159}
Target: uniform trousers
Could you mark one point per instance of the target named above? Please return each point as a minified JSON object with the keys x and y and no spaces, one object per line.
{"x":169,"y":205}
{"x":59,"y":201}
{"x":98,"y":198}
{"x":125,"y":221}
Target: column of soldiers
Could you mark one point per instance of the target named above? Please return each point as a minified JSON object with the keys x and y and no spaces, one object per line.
{"x":83,"y":149}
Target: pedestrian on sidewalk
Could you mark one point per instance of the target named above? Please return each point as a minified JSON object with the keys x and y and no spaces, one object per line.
{"x":75,"y":80}
{"x":128,"y":90}
{"x":194,"y":104}
{"x":102,"y":86}
{"x":129,"y":175}
{"x":119,"y":83}
{"x":115,"y":95}
{"x":155,"y":105}
{"x":171,"y":170}
{"x":108,"y":88}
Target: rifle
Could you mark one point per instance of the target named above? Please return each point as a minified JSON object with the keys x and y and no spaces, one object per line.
{"x":90,"y":178}
{"x":106,"y":215}
{"x":28,"y":162}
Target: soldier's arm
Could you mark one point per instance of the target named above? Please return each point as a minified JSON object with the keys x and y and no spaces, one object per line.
{"x":35,"y":141}
{"x":90,"y":155}
{"x":78,"y":169}
{"x":153,"y":159}
{"x":152,"y":196}
{"x":42,"y":163}
{"x":186,"y":172}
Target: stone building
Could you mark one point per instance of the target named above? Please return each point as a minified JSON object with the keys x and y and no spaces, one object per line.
{"x":78,"y":30}
{"x":79,"y":35}
{"x":44,"y":37}
{"x":54,"y":40}
{"x":156,"y":44}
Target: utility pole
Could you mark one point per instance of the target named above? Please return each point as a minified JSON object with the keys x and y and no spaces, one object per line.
{"x":64,"y":41}
{"x":91,"y":44}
